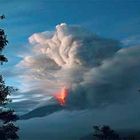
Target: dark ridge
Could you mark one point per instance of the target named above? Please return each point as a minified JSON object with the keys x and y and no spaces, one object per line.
{"x":42,"y":111}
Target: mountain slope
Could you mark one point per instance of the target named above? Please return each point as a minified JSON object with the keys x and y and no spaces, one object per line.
{"x":42,"y":111}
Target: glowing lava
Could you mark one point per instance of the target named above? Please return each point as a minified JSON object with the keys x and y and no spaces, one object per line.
{"x":61,"y":96}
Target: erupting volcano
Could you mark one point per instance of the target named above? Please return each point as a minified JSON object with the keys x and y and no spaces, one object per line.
{"x":61,"y":96}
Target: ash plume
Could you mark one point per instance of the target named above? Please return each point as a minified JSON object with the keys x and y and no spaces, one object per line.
{"x":96,"y":70}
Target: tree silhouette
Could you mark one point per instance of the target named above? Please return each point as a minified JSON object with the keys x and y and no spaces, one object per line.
{"x":105,"y":133}
{"x":7,"y":116}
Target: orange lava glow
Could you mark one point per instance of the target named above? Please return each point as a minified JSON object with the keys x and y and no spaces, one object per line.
{"x":61,"y":96}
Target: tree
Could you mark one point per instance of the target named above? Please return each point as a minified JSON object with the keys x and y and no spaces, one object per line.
{"x":7,"y":116}
{"x":105,"y":133}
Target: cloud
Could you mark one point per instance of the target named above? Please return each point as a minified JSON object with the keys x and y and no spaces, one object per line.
{"x":72,"y":45}
{"x":96,"y":70}
{"x":132,"y":40}
{"x":115,"y":81}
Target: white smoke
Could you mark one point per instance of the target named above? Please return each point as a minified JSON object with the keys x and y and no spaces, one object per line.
{"x":96,"y":70}
{"x":70,"y":46}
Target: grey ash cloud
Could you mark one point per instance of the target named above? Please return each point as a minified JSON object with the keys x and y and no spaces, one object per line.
{"x":97,"y":71}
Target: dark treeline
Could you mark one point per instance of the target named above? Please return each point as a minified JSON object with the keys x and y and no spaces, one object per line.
{"x":106,"y":133}
{"x":8,"y":130}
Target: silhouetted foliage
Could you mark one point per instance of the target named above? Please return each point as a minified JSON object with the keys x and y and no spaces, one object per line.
{"x":105,"y":133}
{"x":3,"y":59}
{"x":7,"y":129}
{"x":3,"y":43}
{"x":8,"y":115}
{"x":3,"y":39}
{"x":2,"y":16}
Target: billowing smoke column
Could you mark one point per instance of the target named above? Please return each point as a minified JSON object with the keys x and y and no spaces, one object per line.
{"x":93,"y":69}
{"x":71,"y":46}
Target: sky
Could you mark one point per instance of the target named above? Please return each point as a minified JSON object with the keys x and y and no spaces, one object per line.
{"x":89,"y":47}
{"x":111,"y":19}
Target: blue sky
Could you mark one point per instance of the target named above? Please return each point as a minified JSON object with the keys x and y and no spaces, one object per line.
{"x":105,"y":18}
{"x":112,"y":78}
{"x":118,"y":19}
